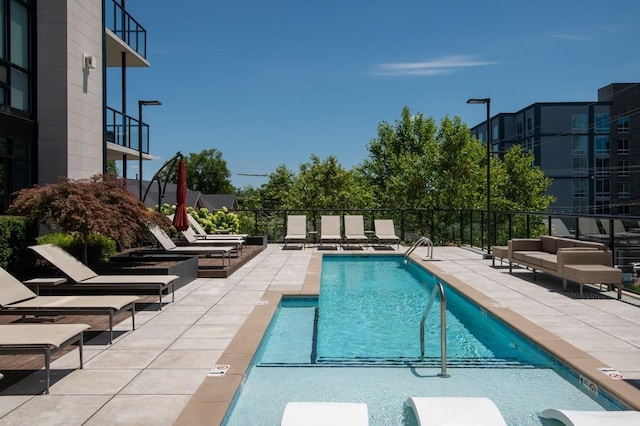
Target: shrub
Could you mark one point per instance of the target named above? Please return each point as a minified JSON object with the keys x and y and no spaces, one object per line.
{"x":99,"y":247}
{"x":16,"y":235}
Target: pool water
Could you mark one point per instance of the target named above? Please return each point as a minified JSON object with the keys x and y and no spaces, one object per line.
{"x":359,"y":342}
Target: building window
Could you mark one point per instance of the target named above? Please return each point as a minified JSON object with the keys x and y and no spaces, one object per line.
{"x":580,"y":145}
{"x":19,"y":30}
{"x":519,"y":128}
{"x":529,"y":124}
{"x":580,"y":205}
{"x":602,"y":122}
{"x":19,"y":90}
{"x":603,"y":188}
{"x":624,"y":125}
{"x":579,"y":166}
{"x":603,"y":166}
{"x":580,"y":188}
{"x":602,"y":145}
{"x":624,"y":210}
{"x":623,"y":146}
{"x":579,"y":123}
{"x":603,"y":207}
{"x":623,"y":168}
{"x":527,"y":145}
{"x":624,"y":189}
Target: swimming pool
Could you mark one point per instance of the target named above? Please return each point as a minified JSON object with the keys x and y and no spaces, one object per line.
{"x":359,"y":342}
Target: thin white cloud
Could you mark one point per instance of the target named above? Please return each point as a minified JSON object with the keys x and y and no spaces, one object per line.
{"x":573,"y":37}
{"x":443,"y":65}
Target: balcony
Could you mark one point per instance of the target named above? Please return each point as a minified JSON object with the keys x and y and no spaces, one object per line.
{"x":124,"y":35}
{"x":122,"y":135}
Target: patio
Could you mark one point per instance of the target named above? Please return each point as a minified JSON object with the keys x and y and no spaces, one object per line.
{"x":159,"y":373}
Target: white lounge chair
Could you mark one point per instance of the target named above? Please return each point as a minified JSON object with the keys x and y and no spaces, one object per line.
{"x":170,"y":247}
{"x":325,"y":414}
{"x":201,"y":233}
{"x":86,"y":279}
{"x":18,"y":299}
{"x":228,"y":240}
{"x":593,"y":418}
{"x":296,"y":230}
{"x":559,"y":229}
{"x":354,"y":229}
{"x":330,"y":230}
{"x":46,"y":339}
{"x":440,"y":411}
{"x":385,"y":232}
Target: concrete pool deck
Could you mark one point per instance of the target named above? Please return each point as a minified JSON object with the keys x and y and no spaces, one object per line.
{"x":160,"y":373}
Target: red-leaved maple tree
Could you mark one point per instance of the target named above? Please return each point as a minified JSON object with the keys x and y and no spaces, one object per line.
{"x":101,"y":204}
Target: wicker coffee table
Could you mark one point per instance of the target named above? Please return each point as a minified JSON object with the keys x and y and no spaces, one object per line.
{"x":592,"y":274}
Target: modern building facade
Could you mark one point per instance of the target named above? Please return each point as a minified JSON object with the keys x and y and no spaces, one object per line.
{"x":591,"y":150}
{"x":55,"y":120}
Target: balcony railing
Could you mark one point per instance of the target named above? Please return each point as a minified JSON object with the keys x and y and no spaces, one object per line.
{"x":123,"y":130}
{"x":126,"y":27}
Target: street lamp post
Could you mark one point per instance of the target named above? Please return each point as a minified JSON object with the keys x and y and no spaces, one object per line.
{"x":141,"y":103}
{"x":487,"y":102}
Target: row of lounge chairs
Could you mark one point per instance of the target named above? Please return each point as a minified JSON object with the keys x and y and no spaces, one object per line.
{"x":331,"y":231}
{"x":441,"y":411}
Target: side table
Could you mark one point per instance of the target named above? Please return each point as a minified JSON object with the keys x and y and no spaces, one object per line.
{"x":36,"y":283}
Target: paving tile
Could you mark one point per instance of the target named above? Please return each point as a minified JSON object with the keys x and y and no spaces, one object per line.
{"x":140,"y":410}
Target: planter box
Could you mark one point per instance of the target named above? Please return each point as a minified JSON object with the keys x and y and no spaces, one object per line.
{"x":135,"y":263}
{"x":256,"y":240}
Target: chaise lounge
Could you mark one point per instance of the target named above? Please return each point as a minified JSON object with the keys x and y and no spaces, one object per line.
{"x":296,"y":230}
{"x":86,"y":279}
{"x":46,"y":339}
{"x":17,"y":299}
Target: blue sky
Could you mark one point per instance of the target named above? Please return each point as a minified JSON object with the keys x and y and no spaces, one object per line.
{"x":270,"y":82}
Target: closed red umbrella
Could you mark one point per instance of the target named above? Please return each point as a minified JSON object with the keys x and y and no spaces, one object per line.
{"x":180,"y":219}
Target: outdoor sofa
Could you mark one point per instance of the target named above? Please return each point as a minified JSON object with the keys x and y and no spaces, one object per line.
{"x":566,"y":258}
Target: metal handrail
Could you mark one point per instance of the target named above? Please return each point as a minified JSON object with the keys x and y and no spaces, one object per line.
{"x":420,"y":241}
{"x":439,"y":288}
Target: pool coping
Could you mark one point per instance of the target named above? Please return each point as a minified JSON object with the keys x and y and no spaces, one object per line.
{"x":214,"y":397}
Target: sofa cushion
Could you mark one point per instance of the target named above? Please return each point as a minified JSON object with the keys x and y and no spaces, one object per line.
{"x":592,"y":244}
{"x":519,"y":256}
{"x":562,"y":243}
{"x":537,"y":259}
{"x":548,"y":244}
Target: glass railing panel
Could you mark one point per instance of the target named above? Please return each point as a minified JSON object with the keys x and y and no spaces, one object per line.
{"x":124,"y":130}
{"x":126,"y":27}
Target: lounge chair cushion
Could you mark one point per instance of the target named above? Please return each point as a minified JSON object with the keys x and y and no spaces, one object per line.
{"x":325,"y":414}
{"x":592,"y":418}
{"x":440,"y":411}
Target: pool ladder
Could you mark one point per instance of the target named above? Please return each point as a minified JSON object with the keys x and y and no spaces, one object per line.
{"x":419,"y":242}
{"x":439,"y":288}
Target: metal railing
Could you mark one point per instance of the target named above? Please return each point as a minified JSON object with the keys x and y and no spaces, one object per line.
{"x":126,"y":27}
{"x":122,"y":129}
{"x":439,"y":289}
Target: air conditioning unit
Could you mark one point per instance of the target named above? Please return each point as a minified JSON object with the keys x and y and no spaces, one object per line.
{"x":89,"y":62}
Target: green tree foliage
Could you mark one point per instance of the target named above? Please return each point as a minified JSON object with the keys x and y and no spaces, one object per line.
{"x":207,"y":172}
{"x":325,"y":184}
{"x":101,"y":204}
{"x":276,"y":193}
{"x":517,"y":185}
{"x":401,"y":166}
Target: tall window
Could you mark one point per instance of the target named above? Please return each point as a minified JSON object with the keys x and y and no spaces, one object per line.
{"x":603,"y":166}
{"x":580,"y":145}
{"x":602,"y":145}
{"x":579,"y":123}
{"x":623,"y":125}
{"x":624,"y":189}
{"x":14,"y":54}
{"x":580,"y":188}
{"x":623,"y":146}
{"x":529,"y":124}
{"x":623,"y":168}
{"x":602,"y":122}
{"x":579,"y":166}
{"x":603,"y":188}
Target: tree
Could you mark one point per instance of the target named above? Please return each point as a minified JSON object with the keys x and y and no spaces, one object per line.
{"x":207,"y":172}
{"x":328,"y":185}
{"x":101,"y":204}
{"x":277,"y":191}
{"x":401,"y":162}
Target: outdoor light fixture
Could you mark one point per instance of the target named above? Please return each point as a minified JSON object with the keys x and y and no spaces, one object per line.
{"x":487,"y":101}
{"x":142,"y":103}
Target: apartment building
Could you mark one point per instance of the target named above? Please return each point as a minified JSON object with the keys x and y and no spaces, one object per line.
{"x":590,"y":149}
{"x":55,"y":119}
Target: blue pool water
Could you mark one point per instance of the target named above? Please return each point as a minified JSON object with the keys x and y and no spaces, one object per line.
{"x":359,"y":341}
